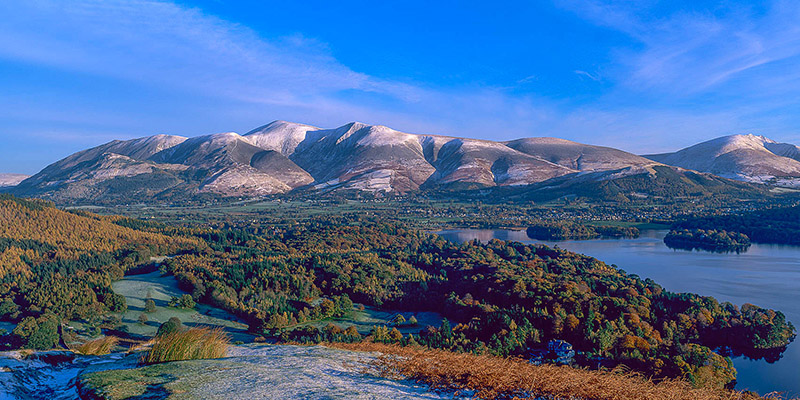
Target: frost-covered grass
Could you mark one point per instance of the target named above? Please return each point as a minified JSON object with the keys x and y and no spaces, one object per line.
{"x":256,"y":372}
{"x":138,"y":288}
{"x":364,"y":320}
{"x":191,"y":344}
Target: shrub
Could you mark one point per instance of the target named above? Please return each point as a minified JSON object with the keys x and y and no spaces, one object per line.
{"x":149,"y":306}
{"x":143,"y":318}
{"x":38,"y":333}
{"x":191,"y":344}
{"x":99,"y":346}
{"x":172,"y":325}
{"x":185,"y":301}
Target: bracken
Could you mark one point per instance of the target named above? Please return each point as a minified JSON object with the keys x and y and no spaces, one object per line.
{"x":491,"y":377}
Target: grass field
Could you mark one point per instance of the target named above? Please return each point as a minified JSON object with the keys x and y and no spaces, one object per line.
{"x":137,"y":288}
{"x":365,"y":319}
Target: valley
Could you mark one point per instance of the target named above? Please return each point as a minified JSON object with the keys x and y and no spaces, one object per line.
{"x":299,"y":282}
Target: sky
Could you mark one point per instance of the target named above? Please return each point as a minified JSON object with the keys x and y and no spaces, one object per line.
{"x":643,"y":76}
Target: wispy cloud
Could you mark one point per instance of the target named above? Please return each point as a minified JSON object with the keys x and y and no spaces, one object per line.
{"x":165,"y":45}
{"x":690,"y":51}
{"x":162,"y":43}
{"x":585,"y":74}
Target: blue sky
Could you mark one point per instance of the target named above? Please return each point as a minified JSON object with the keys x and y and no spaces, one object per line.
{"x":643,"y":76}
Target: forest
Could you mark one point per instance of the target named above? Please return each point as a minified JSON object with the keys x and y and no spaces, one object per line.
{"x":500,"y":297}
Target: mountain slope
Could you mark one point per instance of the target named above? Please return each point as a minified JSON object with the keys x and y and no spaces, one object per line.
{"x":281,"y":136}
{"x":656,"y":182}
{"x":378,"y":158}
{"x":165,"y":166}
{"x":577,"y":156}
{"x":363,"y":156}
{"x":748,"y":158}
{"x":118,"y":168}
{"x":229,"y":164}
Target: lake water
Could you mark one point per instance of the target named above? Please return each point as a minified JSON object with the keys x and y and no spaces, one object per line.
{"x":764,"y":275}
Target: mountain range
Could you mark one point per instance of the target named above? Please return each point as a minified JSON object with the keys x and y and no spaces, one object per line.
{"x":283,"y":156}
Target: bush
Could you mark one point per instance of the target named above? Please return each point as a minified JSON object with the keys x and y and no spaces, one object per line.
{"x":149,"y":306}
{"x":38,"y":333}
{"x":172,"y":325}
{"x":142,"y":318}
{"x":492,"y":377}
{"x":99,"y":346}
{"x":185,"y":301}
{"x":191,"y":344}
{"x":115,"y":302}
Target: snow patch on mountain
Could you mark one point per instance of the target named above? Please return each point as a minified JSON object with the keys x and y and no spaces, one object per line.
{"x":8,"y":179}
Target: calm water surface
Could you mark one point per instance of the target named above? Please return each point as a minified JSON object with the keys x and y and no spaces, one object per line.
{"x":765,"y":275}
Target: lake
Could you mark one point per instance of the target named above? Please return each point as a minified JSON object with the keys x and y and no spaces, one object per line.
{"x":764,"y":275}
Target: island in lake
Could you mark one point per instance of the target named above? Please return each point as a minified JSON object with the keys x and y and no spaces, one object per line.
{"x":710,"y":240}
{"x":569,"y":230}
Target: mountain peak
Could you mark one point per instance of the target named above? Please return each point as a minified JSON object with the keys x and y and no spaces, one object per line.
{"x":281,"y":136}
{"x":745,"y":157}
{"x":280,"y":125}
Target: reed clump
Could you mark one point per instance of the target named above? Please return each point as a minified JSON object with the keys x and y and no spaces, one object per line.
{"x":491,"y":377}
{"x":189,"y":344}
{"x":98,"y":347}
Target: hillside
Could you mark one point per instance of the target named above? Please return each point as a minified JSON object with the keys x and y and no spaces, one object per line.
{"x":57,"y":264}
{"x":748,"y":158}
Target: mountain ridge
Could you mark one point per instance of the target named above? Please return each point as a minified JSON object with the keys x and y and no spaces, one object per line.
{"x":283,"y":156}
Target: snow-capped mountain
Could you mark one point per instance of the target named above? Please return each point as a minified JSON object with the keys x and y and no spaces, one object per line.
{"x":748,"y":158}
{"x":283,"y":156}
